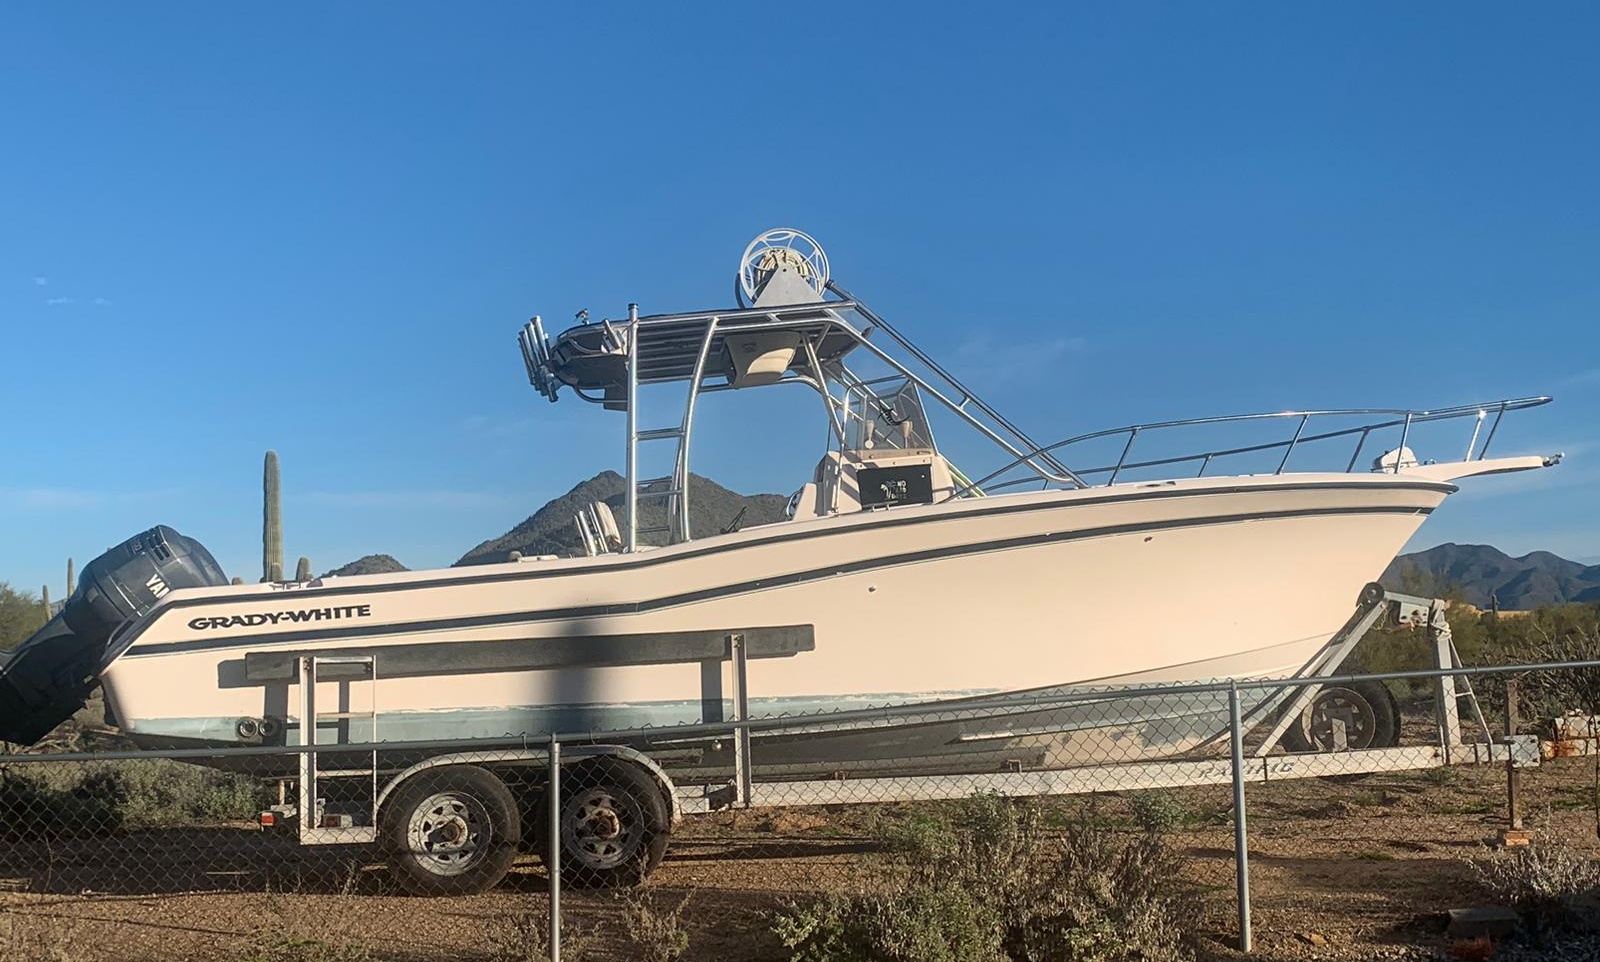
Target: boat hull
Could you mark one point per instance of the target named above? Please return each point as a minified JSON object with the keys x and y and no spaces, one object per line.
{"x":1250,"y":577}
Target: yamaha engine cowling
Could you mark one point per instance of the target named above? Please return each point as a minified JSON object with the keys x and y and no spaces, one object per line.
{"x":50,"y":676}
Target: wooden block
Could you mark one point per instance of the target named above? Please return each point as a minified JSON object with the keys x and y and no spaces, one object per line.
{"x":1495,"y":922}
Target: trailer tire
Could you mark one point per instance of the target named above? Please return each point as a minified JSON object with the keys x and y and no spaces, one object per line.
{"x":451,"y":830}
{"x":615,"y":824}
{"x":1369,"y":704}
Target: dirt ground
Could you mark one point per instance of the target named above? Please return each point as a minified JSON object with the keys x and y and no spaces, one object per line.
{"x":1339,"y":870}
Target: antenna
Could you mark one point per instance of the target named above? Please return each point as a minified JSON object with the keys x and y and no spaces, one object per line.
{"x":782,"y":250}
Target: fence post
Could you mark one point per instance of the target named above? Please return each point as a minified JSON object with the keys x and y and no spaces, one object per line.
{"x":739,"y":653}
{"x":1241,"y":844}
{"x":553,"y":848}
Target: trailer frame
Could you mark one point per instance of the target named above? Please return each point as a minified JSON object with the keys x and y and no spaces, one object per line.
{"x":1271,"y":715}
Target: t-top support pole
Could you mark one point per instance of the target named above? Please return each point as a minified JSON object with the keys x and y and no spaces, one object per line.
{"x":632,"y":461}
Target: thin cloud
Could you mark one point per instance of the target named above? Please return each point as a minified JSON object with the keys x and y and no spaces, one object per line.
{"x":73,"y":499}
{"x":1573,"y":449}
{"x":1561,"y":477}
{"x":36,"y":499}
{"x":404,"y":499}
{"x":53,"y":301}
{"x":500,"y":427}
{"x":985,"y":356}
{"x":39,"y":281}
{"x":101,"y":302}
{"x":1569,"y":449}
{"x":1580,"y":379}
{"x":1574,"y":544}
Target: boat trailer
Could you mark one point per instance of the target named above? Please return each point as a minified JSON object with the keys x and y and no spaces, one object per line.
{"x":1291,"y":729}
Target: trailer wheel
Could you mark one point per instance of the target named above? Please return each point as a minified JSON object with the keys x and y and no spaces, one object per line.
{"x":451,"y":830}
{"x":1370,"y":714}
{"x":614,"y":825}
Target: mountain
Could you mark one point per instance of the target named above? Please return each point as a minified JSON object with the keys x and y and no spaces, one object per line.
{"x":551,"y":529}
{"x":372,"y":564}
{"x":1478,"y":572}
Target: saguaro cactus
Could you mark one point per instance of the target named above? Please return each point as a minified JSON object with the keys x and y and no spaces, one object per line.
{"x":271,"y":521}
{"x":302,"y":569}
{"x":45,"y":593}
{"x":72,"y":578}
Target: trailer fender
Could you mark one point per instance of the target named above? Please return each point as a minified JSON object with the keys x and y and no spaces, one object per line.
{"x":524,"y":757}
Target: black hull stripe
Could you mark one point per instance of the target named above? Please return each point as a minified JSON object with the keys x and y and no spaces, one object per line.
{"x":763,"y":584}
{"x":534,"y":571}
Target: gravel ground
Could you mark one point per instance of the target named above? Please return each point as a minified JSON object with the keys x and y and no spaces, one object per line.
{"x":1339,"y":871}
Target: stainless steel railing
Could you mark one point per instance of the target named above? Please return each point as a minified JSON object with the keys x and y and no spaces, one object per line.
{"x":1385,"y":419}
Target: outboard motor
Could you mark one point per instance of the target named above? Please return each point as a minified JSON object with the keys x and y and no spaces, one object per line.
{"x":50,"y":676}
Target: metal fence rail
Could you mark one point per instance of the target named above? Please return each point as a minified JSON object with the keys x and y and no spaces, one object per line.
{"x":139,"y":854}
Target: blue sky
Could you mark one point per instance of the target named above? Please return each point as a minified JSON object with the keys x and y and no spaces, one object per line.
{"x":317,"y":228}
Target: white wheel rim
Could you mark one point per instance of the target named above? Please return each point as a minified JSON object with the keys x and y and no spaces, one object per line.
{"x":448,"y":833}
{"x":600,"y":830}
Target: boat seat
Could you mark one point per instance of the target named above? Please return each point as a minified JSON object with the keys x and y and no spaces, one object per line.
{"x":804,"y":504}
{"x":597,"y":525}
{"x":608,"y":525}
{"x":838,"y":478}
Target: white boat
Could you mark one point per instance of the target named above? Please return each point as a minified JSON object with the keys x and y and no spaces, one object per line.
{"x":897,"y":577}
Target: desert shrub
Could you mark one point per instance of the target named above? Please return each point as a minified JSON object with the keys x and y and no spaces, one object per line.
{"x":161,"y":792}
{"x":1391,"y":650}
{"x":1107,"y":898}
{"x":524,"y":936}
{"x":1566,"y":633}
{"x":1551,"y":888}
{"x":1408,"y":648}
{"x":656,"y":934}
{"x":30,"y":808}
{"x":1156,"y":810}
{"x":1563,"y":633}
{"x":985,"y":881}
{"x":519,"y":937}
{"x":21,"y":614}
{"x":74,"y":798}
{"x":914,"y":923}
{"x":987,"y":843}
{"x":1556,"y":633}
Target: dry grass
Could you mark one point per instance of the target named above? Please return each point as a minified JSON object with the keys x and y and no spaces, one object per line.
{"x":521,"y":936}
{"x":1545,"y":884}
{"x":657,"y":933}
{"x":1364,"y":865}
{"x":36,"y":940}
{"x":988,"y":879}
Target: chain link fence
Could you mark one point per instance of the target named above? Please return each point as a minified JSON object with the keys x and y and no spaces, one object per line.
{"x":1062,"y":815}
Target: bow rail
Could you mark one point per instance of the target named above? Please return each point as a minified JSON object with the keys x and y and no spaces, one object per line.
{"x":1388,"y":419}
